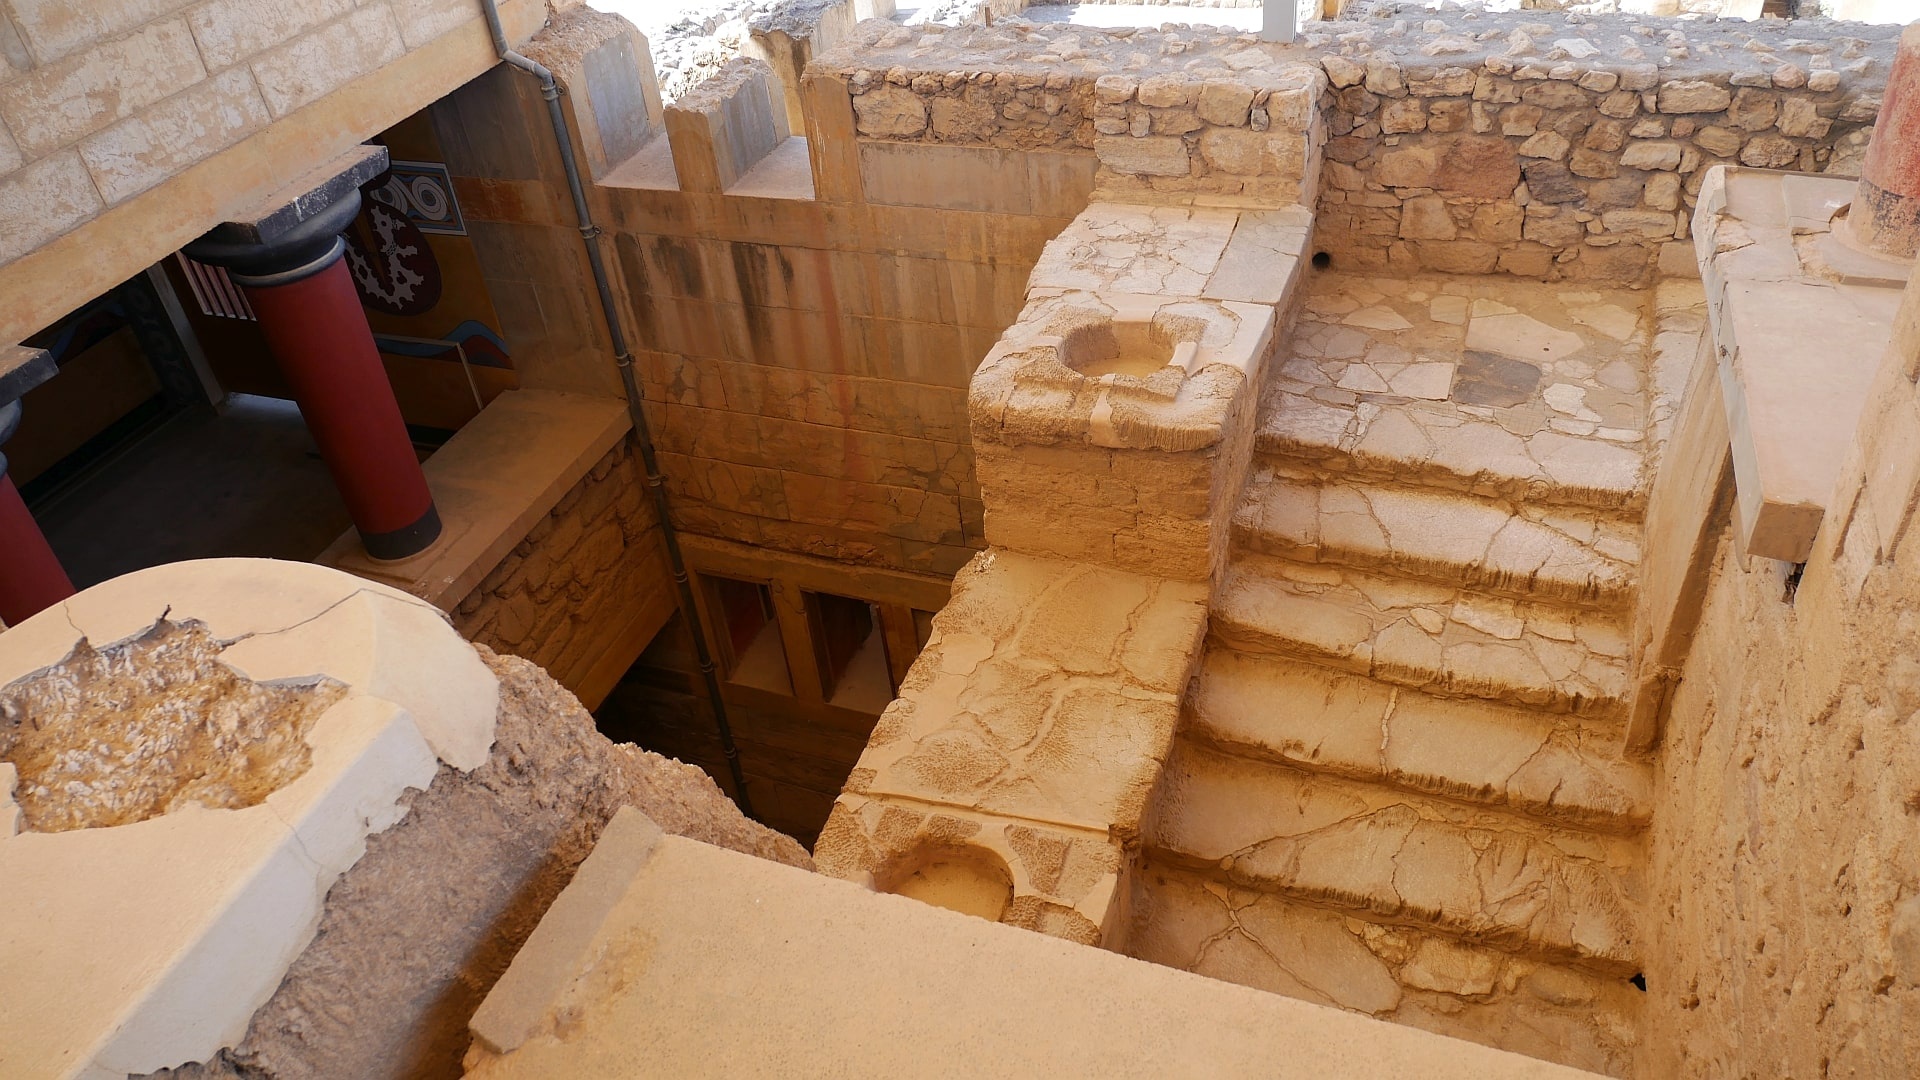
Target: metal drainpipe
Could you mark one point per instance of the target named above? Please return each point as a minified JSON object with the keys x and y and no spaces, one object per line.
{"x":623,"y":359}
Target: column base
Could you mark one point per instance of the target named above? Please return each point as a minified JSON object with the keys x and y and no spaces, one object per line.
{"x":406,"y":542}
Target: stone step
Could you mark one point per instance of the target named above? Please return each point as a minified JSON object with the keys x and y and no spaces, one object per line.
{"x":1519,"y":550}
{"x":1187,"y":920}
{"x":1491,"y":878}
{"x":1438,"y":445}
{"x":1447,"y":641}
{"x":1326,"y":721}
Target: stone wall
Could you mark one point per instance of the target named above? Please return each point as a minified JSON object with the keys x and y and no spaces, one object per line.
{"x":586,"y":589}
{"x":1570,"y":147}
{"x":1169,"y":115}
{"x":1783,"y":936}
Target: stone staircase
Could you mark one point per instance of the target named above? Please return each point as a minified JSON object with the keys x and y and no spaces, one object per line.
{"x":1397,"y":786}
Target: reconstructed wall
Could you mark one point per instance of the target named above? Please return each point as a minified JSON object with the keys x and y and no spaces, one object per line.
{"x":1554,"y":146}
{"x":135,"y":126}
{"x":1784,"y":922}
{"x":586,"y":589}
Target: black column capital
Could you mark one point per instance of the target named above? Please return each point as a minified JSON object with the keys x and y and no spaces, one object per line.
{"x":295,"y":232}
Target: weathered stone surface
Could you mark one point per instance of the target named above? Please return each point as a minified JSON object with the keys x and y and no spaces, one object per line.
{"x":1693,"y":96}
{"x":462,"y":880}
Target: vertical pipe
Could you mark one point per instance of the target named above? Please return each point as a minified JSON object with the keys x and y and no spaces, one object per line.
{"x":623,"y":360}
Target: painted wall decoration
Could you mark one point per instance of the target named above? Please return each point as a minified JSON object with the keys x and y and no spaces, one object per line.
{"x":392,"y":264}
{"x":423,"y":191}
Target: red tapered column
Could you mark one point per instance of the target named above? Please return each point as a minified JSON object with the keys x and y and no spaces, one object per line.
{"x":320,"y":338}
{"x":1886,"y":203}
{"x":31,"y":578}
{"x":287,"y":257}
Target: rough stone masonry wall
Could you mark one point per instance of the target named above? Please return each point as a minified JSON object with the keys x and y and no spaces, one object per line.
{"x":1783,"y":919}
{"x":1569,"y":146}
{"x":587,"y":587}
{"x":1170,"y":115}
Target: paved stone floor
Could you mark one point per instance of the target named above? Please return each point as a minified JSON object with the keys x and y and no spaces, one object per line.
{"x":1506,"y":387}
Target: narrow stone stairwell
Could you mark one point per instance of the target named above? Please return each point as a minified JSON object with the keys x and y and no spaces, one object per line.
{"x":1398,"y":785}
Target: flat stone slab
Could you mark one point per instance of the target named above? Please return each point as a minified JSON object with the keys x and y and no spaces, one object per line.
{"x":661,"y":942}
{"x":1448,"y":641}
{"x":1359,"y":847}
{"x":1485,"y":385}
{"x":1799,"y":336}
{"x":1519,"y":550}
{"x":1049,"y":691}
{"x":1322,"y":720}
{"x":141,"y":946}
{"x":1556,"y":1012}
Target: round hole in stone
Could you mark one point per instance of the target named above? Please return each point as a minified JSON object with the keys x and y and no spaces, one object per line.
{"x":1322,"y":260}
{"x":963,"y":879}
{"x":1134,"y":347}
{"x":136,"y":730}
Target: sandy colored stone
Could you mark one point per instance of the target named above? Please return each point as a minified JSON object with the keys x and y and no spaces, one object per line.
{"x":461,"y":881}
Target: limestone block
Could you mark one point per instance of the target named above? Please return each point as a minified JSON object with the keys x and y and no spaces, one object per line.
{"x":228,"y":898}
{"x":725,"y":126}
{"x":143,"y":151}
{"x":55,"y":105}
{"x":228,"y":31}
{"x":1163,"y":155}
{"x":326,"y":58}
{"x":43,"y":200}
{"x":1693,"y":96}
{"x":890,"y":112}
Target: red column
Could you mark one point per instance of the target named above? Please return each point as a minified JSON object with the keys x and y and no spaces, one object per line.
{"x":319,"y":336}
{"x":31,"y":578}
{"x":1886,"y":203}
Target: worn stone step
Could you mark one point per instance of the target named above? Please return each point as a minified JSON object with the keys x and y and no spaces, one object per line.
{"x":1492,"y":878}
{"x":1327,"y":721}
{"x":1518,"y":550}
{"x":1189,"y":920}
{"x":1440,"y":446}
{"x":1447,"y":641}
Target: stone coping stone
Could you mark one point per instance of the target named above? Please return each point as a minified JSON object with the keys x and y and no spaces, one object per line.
{"x":144,"y":946}
{"x":1798,"y":339}
{"x":492,"y":482}
{"x":661,"y":942}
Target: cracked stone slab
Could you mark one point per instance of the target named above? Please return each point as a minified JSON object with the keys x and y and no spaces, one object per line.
{"x":1547,"y":393}
{"x":1322,"y":720}
{"x":1127,"y":248}
{"x":1512,"y":549}
{"x":1448,"y":641}
{"x":1486,"y":877}
{"x":1049,"y":691}
{"x":115,"y":981}
{"x":1200,"y":923}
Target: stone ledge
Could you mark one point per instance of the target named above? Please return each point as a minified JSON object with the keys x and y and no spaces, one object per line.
{"x":493,"y":481}
{"x":883,"y":986}
{"x":1798,"y":339}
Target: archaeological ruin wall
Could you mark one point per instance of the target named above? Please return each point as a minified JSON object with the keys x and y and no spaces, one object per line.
{"x":586,"y":589}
